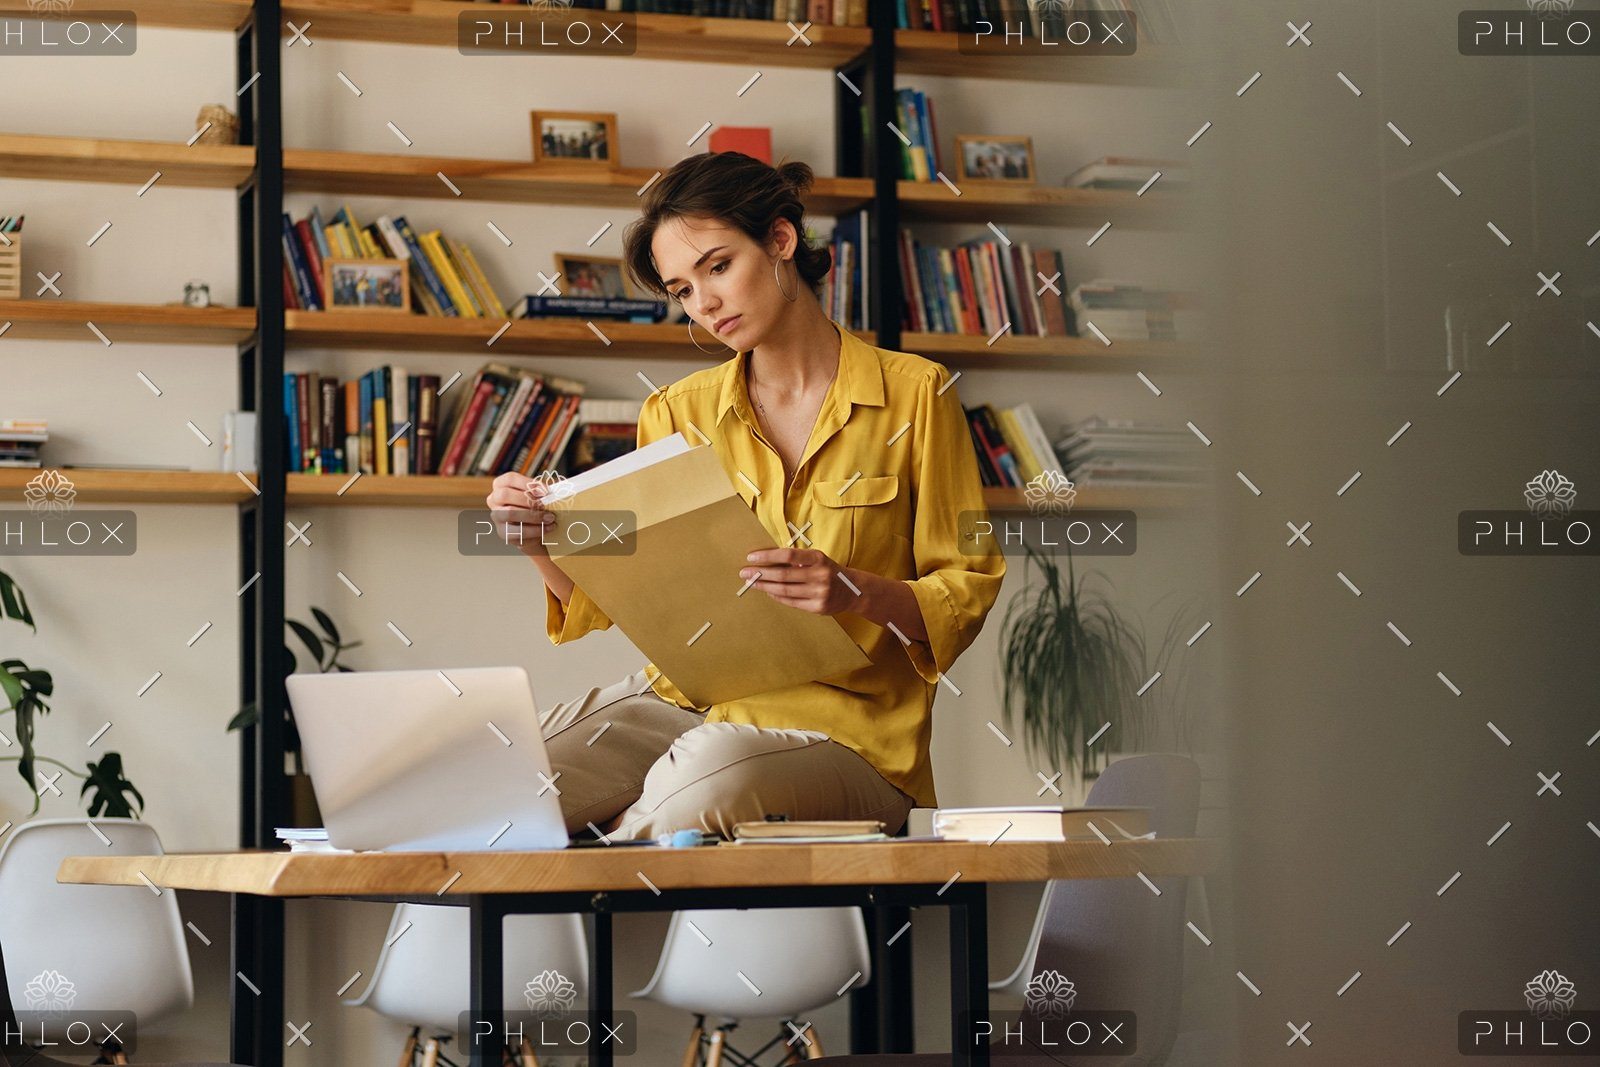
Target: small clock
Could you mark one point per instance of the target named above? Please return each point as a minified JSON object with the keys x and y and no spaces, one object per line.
{"x":197,"y":295}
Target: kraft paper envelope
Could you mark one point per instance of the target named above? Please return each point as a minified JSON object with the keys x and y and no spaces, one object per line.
{"x":681,"y":571}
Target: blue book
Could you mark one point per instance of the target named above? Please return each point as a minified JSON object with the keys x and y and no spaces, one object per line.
{"x":291,"y":411}
{"x":309,"y":296}
{"x":421,"y":263}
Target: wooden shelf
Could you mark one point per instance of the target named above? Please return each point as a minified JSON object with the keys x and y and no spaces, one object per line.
{"x":133,"y":487}
{"x":314,"y":170}
{"x":936,"y":52}
{"x":87,"y":159}
{"x":526,"y":337}
{"x":67,"y":320}
{"x":971,"y":351}
{"x":416,"y":491}
{"x":185,"y":14}
{"x":1038,"y":205}
{"x":1091,"y":498}
{"x":684,"y":38}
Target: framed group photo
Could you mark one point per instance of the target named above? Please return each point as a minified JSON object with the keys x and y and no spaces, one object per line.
{"x":996,"y":159}
{"x":598,"y":276}
{"x":368,"y":284}
{"x":575,"y":139}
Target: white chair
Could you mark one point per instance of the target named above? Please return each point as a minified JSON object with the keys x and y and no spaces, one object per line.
{"x":422,"y":977}
{"x":90,"y":947}
{"x":799,"y":959}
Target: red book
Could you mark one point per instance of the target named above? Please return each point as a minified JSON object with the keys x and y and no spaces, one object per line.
{"x":969,"y":293}
{"x":314,"y":258}
{"x":751,"y":140}
{"x":302,"y":392}
{"x":482,"y":391}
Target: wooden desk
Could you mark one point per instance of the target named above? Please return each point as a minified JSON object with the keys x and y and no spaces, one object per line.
{"x":603,"y":881}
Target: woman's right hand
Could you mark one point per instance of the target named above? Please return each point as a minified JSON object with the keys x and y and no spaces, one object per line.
{"x":515,"y":498}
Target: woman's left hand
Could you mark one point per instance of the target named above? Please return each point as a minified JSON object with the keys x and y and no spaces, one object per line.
{"x":804,"y":578}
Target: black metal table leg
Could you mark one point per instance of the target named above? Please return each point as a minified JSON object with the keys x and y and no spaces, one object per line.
{"x":488,"y":979}
{"x":600,"y":989}
{"x":969,"y":975}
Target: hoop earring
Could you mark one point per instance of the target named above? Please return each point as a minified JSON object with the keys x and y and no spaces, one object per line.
{"x":707,"y":351}
{"x":779,"y":280}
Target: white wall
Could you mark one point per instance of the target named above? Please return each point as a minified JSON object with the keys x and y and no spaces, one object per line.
{"x":107,"y":625}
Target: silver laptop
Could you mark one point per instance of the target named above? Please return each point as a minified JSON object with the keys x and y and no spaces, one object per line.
{"x":428,"y":760}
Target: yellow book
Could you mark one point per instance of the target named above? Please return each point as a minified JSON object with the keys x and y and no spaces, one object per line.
{"x":447,"y":247}
{"x":369,"y":247}
{"x":1021,"y":450}
{"x":452,"y":284}
{"x":471,"y":262}
{"x":380,"y":435}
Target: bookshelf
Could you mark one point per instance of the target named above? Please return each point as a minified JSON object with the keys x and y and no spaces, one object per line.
{"x":229,"y":15}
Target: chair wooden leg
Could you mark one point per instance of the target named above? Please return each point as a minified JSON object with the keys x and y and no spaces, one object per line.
{"x":718,"y":1039}
{"x":528,"y":1058}
{"x":691,"y":1053}
{"x":814,"y":1050}
{"x":430,"y":1053}
{"x":118,"y":1056}
{"x":408,"y":1056}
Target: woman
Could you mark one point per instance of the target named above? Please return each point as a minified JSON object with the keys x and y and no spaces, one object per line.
{"x":864,"y":464}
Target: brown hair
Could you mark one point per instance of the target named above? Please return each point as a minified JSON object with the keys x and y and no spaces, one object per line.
{"x":733,"y":188}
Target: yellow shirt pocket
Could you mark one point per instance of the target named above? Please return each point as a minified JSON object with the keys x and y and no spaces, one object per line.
{"x":865,"y":523}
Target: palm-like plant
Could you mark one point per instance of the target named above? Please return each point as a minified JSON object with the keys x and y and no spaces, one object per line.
{"x":26,"y":689}
{"x":1073,"y":664}
{"x":324,"y":649}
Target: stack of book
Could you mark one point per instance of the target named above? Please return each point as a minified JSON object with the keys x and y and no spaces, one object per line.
{"x":445,"y":277}
{"x":1012,"y":447}
{"x":389,"y":422}
{"x":12,"y":223}
{"x":979,"y":286}
{"x":1123,"y":311}
{"x":845,"y":294}
{"x":919,"y":161}
{"x":606,"y":429}
{"x":20,"y":440}
{"x":613,"y":308}
{"x":1123,"y":452}
{"x":1126,"y":173}
{"x":1041,"y":823}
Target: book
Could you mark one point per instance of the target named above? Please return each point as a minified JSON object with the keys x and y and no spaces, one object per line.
{"x":607,"y":307}
{"x":1040,"y":823}
{"x":816,"y":829}
{"x":1125,"y":172}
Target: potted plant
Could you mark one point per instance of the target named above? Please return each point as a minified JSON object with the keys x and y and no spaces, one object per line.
{"x":26,"y":690}
{"x":324,"y":651}
{"x":1073,"y":663}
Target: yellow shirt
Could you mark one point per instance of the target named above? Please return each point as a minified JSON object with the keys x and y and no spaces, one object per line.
{"x":881,"y":486}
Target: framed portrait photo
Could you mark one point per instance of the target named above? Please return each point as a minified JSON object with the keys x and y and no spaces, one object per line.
{"x":996,"y":159}
{"x":368,"y":284}
{"x":579,"y":140}
{"x":598,"y":276}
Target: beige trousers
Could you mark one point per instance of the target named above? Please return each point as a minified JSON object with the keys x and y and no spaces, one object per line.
{"x":626,"y":754}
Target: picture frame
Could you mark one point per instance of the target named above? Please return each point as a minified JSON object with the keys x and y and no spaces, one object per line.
{"x":593,"y":276}
{"x":575,"y":140}
{"x":996,"y":158}
{"x":382,"y":285}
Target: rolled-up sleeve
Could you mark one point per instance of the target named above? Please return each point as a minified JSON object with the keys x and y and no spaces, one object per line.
{"x":580,"y":615}
{"x":954,"y":590}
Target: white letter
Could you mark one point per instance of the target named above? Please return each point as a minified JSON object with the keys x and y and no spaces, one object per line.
{"x":1586,"y":532}
{"x":479,"y":35}
{"x":1481,"y":34}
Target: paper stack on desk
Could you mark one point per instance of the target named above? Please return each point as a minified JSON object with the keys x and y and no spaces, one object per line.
{"x":675,"y":590}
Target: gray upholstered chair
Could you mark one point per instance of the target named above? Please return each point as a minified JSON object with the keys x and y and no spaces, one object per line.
{"x":1119,"y":944}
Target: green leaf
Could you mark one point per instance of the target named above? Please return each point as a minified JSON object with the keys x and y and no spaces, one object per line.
{"x":327,"y":624}
{"x":12,"y":602}
{"x":110,"y":786}
{"x":309,"y":638}
{"x":245,"y":717}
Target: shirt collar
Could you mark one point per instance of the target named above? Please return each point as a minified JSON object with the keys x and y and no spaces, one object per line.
{"x":860,"y":378}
